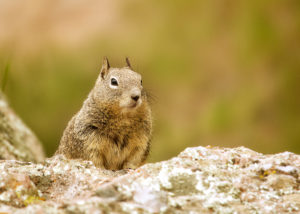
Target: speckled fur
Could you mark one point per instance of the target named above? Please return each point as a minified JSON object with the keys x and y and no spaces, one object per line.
{"x":107,"y":131}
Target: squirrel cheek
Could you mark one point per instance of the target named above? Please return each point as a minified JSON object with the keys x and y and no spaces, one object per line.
{"x":124,"y":101}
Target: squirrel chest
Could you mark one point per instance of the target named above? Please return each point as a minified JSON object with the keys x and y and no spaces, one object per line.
{"x":117,"y":151}
{"x":119,"y":144}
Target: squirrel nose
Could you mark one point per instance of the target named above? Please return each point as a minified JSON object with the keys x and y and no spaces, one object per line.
{"x":135,"y":94}
{"x":135,"y":97}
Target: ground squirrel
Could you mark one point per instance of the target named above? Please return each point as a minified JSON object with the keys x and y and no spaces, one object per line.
{"x":113,"y":128}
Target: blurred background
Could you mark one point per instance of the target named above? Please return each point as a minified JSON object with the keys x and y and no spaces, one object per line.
{"x":224,"y":73}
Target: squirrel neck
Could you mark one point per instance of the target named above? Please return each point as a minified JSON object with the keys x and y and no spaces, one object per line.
{"x":109,"y":116}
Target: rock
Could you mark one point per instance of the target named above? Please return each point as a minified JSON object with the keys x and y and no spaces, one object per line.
{"x":16,"y":140}
{"x":198,"y":180}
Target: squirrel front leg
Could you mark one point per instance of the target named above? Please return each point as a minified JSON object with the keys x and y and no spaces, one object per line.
{"x":95,"y":151}
{"x":137,"y":156}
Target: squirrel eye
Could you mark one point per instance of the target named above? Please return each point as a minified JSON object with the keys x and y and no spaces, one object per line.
{"x":114,"y":82}
{"x":141,"y":82}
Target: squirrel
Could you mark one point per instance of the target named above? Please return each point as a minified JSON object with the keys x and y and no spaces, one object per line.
{"x":113,"y":128}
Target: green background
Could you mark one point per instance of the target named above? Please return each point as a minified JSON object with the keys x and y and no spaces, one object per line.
{"x":223,"y":73}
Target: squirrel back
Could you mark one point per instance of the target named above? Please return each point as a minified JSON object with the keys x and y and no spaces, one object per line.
{"x":114,"y":126}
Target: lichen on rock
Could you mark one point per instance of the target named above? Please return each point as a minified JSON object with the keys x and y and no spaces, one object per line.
{"x":198,"y":180}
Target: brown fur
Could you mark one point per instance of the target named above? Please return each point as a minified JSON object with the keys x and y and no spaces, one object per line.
{"x":108,"y":130}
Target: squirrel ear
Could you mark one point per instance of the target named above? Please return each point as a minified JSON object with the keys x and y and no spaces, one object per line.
{"x":105,"y":67}
{"x":128,"y":63}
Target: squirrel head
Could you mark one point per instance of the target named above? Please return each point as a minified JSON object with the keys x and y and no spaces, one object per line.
{"x":121,"y":87}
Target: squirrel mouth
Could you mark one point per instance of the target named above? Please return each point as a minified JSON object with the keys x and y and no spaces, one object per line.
{"x":133,"y":105}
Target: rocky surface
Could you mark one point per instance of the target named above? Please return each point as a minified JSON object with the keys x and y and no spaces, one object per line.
{"x":198,"y":180}
{"x":16,"y":140}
